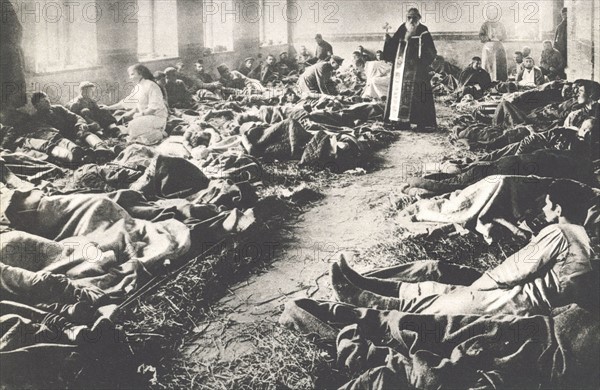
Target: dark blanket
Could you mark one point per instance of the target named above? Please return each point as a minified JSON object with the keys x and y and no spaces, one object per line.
{"x":170,"y":177}
{"x":30,"y":169}
{"x":49,"y":332}
{"x":544,"y":163}
{"x":107,"y":177}
{"x":336,"y":152}
{"x":233,"y":165}
{"x":479,"y":134}
{"x":284,"y":140}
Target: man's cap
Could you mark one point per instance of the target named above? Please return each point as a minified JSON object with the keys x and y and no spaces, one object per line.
{"x":338,"y":59}
{"x":170,"y":69}
{"x":318,"y":36}
{"x":248,"y":59}
{"x":86,"y":84}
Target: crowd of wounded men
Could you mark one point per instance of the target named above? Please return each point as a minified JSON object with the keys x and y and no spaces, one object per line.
{"x":534,"y":113}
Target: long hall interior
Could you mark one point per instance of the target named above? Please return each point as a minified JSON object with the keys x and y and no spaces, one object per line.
{"x":299,"y":194}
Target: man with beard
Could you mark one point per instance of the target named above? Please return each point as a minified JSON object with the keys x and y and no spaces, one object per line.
{"x":410,"y":100}
{"x":530,"y":75}
{"x":267,"y":71}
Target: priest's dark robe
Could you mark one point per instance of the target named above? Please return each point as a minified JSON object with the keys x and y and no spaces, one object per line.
{"x":410,"y":98}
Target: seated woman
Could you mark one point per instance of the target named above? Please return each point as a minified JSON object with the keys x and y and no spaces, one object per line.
{"x":147,"y":109}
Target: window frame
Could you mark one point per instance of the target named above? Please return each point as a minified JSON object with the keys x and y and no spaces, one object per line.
{"x":155,"y":55}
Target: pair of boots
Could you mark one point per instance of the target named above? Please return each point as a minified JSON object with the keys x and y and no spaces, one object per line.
{"x":355,"y":289}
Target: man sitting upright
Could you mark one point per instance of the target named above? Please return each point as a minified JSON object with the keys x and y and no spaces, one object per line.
{"x":530,"y":75}
{"x":474,"y":80}
{"x":518,"y":58}
{"x":552,"y":63}
{"x":177,"y":93}
{"x":553,"y":270}
{"x":267,"y":71}
{"x":70,"y":126}
{"x":98,"y":119}
{"x":246,"y":66}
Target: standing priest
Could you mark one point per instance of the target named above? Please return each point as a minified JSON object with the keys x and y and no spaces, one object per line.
{"x":410,"y":99}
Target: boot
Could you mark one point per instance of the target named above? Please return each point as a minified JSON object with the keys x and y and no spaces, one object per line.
{"x":384,"y":287}
{"x":346,"y":292}
{"x":102,"y":152}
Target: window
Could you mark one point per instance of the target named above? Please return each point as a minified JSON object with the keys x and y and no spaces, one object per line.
{"x":273,"y":23}
{"x":157,"y":29}
{"x":218,"y":20}
{"x":65,"y":39}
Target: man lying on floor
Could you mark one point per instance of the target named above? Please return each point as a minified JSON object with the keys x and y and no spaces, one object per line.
{"x":585,"y":94}
{"x":70,"y":125}
{"x":88,"y":237}
{"x":57,"y":132}
{"x":522,"y":113}
{"x":553,"y":270}
{"x":560,"y":138}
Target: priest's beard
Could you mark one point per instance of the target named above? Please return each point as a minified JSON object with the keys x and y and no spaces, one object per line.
{"x":411,"y":29}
